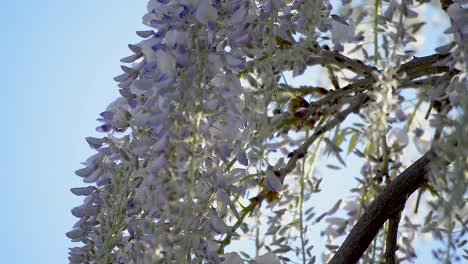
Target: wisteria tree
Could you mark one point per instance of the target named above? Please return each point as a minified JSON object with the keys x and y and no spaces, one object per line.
{"x":212,"y":142}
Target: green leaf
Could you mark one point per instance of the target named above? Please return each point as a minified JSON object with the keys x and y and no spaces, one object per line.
{"x":286,"y":123}
{"x":339,"y":138}
{"x":413,"y":114}
{"x":352,"y":142}
{"x":369,"y":149}
{"x":243,"y":73}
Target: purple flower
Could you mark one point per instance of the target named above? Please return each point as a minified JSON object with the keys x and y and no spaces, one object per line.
{"x":222,"y":196}
{"x":107,"y":115}
{"x":133,"y":103}
{"x":159,"y":46}
{"x":185,"y":113}
{"x":187,"y":10}
{"x":131,"y":204}
{"x":231,"y":258}
{"x":400,"y":115}
{"x":96,"y":142}
{"x":82,"y":190}
{"x":242,"y":158}
{"x":75,"y":234}
{"x":217,"y":225}
{"x":143,"y":84}
{"x":206,"y":12}
{"x":225,"y":151}
{"x":398,"y":136}
{"x":272,"y":182}
{"x":418,"y":132}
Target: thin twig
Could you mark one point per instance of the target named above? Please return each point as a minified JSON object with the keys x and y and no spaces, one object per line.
{"x":340,"y":117}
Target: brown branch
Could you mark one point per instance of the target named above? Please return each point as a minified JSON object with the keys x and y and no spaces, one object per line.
{"x":393,"y":198}
{"x":420,"y":66}
{"x":361,"y":100}
{"x":386,"y":205}
{"x":415,"y":68}
{"x":343,"y":62}
{"x":391,"y":240}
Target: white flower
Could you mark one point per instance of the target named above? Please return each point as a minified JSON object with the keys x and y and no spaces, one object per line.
{"x":268,"y":258}
{"x":422,"y":144}
{"x":398,"y":137}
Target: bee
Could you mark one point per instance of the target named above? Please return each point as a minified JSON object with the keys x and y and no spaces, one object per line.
{"x":296,"y":103}
{"x":283,"y":43}
{"x":309,"y":123}
{"x":271,"y":196}
{"x":299,"y":114}
{"x":255,"y":200}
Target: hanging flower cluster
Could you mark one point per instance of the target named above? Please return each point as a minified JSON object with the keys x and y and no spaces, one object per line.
{"x":163,"y":179}
{"x":189,"y":139}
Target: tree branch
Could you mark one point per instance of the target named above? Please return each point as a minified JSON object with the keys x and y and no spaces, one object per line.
{"x":392,"y":235}
{"x":393,"y":196}
{"x":361,"y":100}
{"x":386,"y":205}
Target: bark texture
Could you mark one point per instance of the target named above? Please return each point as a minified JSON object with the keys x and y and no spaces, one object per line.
{"x":387,"y":204}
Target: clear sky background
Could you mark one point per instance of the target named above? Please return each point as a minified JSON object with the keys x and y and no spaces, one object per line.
{"x":59,"y":58}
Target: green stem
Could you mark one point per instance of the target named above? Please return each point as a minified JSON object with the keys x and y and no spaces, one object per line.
{"x":227,"y":240}
{"x":376,"y":35}
{"x":301,"y":208}
{"x":410,"y":119}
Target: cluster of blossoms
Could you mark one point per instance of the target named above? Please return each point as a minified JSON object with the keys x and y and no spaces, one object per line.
{"x":387,"y":134}
{"x":187,"y":139}
{"x":164,"y":183}
{"x":451,"y":182}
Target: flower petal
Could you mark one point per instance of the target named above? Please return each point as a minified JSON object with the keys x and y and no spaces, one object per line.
{"x":272,"y":182}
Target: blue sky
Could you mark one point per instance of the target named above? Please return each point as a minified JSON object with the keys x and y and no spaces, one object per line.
{"x":59,"y":58}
